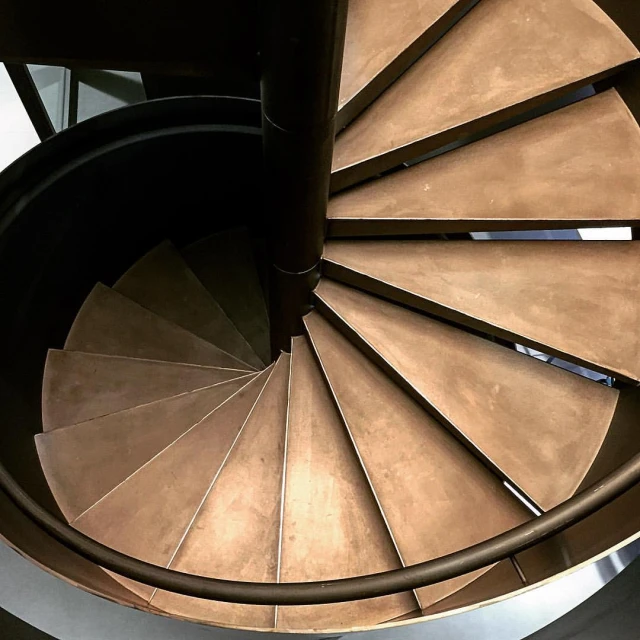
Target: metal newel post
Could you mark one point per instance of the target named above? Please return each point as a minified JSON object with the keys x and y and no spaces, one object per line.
{"x":301,"y":63}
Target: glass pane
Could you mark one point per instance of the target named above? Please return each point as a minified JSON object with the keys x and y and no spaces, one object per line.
{"x":100,"y":91}
{"x":50,"y":82}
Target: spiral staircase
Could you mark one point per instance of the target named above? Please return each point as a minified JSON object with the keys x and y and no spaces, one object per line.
{"x":402,"y":423}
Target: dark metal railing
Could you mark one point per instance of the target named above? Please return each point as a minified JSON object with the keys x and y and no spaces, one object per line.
{"x":419,"y":575}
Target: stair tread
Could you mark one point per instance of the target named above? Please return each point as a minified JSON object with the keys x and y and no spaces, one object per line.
{"x":574,"y":167}
{"x":540,"y":425}
{"x":241,"y":514}
{"x":411,"y":462}
{"x":81,"y":386}
{"x":111,"y":324}
{"x":147,"y":516}
{"x":83,"y":462}
{"x":576,"y":300}
{"x":162,"y":282}
{"x":332,"y":527}
{"x":382,"y":40}
{"x":502,"y":56}
{"x":225,"y":265}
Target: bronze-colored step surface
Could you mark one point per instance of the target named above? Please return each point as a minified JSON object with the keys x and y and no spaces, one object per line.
{"x":437,"y":498}
{"x":110,"y":323}
{"x":577,"y":300}
{"x":541,"y":426}
{"x":382,"y":41}
{"x":574,"y":167}
{"x":83,"y":462}
{"x":81,"y":386}
{"x":225,"y":265}
{"x":162,"y":282}
{"x":332,"y":526}
{"x":148,"y":515}
{"x":500,"y":60}
{"x":236,"y":534}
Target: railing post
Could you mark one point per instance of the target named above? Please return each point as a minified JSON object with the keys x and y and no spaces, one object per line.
{"x":301,"y":64}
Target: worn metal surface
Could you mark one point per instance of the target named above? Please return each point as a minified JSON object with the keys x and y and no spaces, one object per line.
{"x":498,"y":61}
{"x":225,"y":265}
{"x":499,"y":580}
{"x":148,"y":515}
{"x":236,"y":533}
{"x":332,"y":526}
{"x":83,"y":462}
{"x":162,"y":282}
{"x":413,"y":463}
{"x":576,"y":300}
{"x":574,"y":167}
{"x":615,"y":523}
{"x":383,"y":39}
{"x":541,"y":427}
{"x":81,"y":386}
{"x":110,"y":323}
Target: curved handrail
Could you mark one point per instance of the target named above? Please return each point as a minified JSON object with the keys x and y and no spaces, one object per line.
{"x":419,"y":575}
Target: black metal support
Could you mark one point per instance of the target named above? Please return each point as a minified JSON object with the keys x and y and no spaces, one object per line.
{"x":302,"y":61}
{"x":28,"y":93}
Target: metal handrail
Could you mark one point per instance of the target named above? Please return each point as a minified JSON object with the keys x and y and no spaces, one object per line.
{"x":419,"y":575}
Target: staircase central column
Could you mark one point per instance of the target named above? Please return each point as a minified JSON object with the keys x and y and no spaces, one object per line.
{"x":301,"y":64}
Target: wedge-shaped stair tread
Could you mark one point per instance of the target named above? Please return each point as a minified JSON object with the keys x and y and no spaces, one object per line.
{"x":148,"y":515}
{"x":576,"y":300}
{"x":83,"y":462}
{"x":412,"y":462}
{"x":110,"y":323}
{"x":500,"y":60}
{"x":382,"y":41}
{"x":225,"y":265}
{"x":162,"y":282}
{"x":332,"y":525}
{"x":235,"y":536}
{"x":575,"y":167}
{"x":541,"y":426}
{"x":82,"y":386}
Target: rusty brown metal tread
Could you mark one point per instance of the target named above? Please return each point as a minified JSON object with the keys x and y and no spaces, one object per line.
{"x":162,"y":282}
{"x":437,"y":498}
{"x":85,"y":461}
{"x":539,"y":427}
{"x":501,"y":60}
{"x":110,"y":323}
{"x":575,"y":167}
{"x":332,"y":526}
{"x":148,"y":515}
{"x":236,"y":534}
{"x":81,"y":386}
{"x":382,"y":41}
{"x":225,"y":264}
{"x":576,"y":300}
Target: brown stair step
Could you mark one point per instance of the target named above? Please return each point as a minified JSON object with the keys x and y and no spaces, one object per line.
{"x":332,"y":526}
{"x":81,"y":386}
{"x":148,"y":516}
{"x":538,"y":426}
{"x":436,"y":497}
{"x":575,"y":167}
{"x":85,"y":461}
{"x":575,"y":300}
{"x":499,"y":61}
{"x":236,"y":534}
{"x":162,"y":282}
{"x":110,"y":323}
{"x":225,"y":265}
{"x":383,"y":40}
